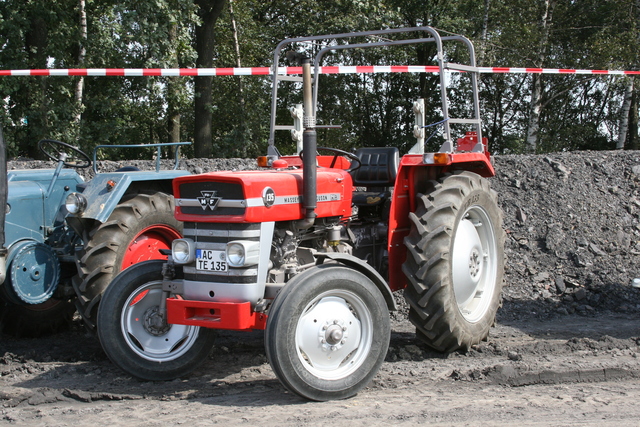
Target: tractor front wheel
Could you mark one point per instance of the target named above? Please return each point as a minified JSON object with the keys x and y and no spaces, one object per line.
{"x":327,"y":333}
{"x":455,"y":262}
{"x":136,"y":337}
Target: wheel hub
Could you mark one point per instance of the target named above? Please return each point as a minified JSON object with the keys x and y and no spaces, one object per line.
{"x":474,"y":263}
{"x":34,"y":272}
{"x":154,"y":323}
{"x":333,"y":335}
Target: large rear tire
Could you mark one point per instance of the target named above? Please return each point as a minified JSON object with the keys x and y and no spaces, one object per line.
{"x":132,"y":336}
{"x":135,"y":231}
{"x":327,"y":333}
{"x":455,"y":262}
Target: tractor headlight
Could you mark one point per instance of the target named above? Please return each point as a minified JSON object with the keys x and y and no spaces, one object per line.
{"x":76,"y":203}
{"x":183,"y":251}
{"x":242,"y":253}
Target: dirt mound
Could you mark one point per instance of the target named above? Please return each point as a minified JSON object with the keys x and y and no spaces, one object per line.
{"x":573,"y":240}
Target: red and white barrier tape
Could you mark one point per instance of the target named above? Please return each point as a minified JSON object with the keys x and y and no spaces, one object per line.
{"x":264,"y":71}
{"x":498,"y":70}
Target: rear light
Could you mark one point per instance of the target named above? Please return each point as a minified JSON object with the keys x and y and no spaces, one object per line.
{"x":437,"y":158}
{"x":263,"y":161}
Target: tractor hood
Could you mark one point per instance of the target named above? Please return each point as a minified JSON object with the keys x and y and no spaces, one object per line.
{"x":258,"y":196}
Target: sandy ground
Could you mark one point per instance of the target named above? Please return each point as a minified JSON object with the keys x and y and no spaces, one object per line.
{"x":573,"y":370}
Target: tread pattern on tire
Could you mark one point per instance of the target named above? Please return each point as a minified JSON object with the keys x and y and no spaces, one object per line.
{"x":101,"y":258}
{"x":433,"y":308}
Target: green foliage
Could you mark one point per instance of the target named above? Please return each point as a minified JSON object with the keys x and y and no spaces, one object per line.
{"x":578,"y":112}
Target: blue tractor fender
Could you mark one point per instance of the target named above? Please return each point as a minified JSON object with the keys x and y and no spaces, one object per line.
{"x":105,"y":191}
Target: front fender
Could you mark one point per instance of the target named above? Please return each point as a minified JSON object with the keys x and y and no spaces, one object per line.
{"x":104,"y":192}
{"x":364,"y":268}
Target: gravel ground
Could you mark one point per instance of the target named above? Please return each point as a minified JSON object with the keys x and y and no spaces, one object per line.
{"x":565,"y":349}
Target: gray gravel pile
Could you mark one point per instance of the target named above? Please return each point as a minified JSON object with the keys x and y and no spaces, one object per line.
{"x":572,"y":222}
{"x":573,"y":232}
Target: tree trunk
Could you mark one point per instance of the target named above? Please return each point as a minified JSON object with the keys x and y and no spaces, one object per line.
{"x":533,"y":126}
{"x":174,"y":86}
{"x":632,"y":140}
{"x":241,"y":101}
{"x":484,"y":34}
{"x":209,"y":11}
{"x":35,"y":43}
{"x":81,"y":57}
{"x":537,"y":90}
{"x":624,"y":115}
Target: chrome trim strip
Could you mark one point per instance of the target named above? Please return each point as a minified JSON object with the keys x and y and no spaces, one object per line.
{"x":231,"y":234}
{"x":209,"y":245}
{"x":257,"y":201}
{"x":230,"y":272}
{"x":223,"y":203}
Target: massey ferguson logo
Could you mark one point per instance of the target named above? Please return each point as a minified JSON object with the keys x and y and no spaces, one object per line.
{"x":208,"y":200}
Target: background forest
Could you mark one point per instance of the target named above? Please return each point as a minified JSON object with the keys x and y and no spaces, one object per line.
{"x":228,"y":116}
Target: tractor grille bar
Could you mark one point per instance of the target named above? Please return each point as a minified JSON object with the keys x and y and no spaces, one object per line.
{"x":216,"y":236}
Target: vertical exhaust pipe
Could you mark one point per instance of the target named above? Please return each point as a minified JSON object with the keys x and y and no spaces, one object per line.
{"x":309,"y":149}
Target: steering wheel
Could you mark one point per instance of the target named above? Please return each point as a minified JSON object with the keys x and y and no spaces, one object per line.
{"x":69,"y":155}
{"x":354,"y":159}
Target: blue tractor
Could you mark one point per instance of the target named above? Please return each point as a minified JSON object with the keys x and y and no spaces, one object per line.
{"x":64,"y":238}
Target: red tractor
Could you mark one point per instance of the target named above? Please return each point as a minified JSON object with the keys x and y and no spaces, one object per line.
{"x":311,"y":248}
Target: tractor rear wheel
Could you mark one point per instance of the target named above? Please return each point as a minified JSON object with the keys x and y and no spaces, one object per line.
{"x":135,"y":336}
{"x":455,"y":262}
{"x":327,"y":333}
{"x":135,"y":231}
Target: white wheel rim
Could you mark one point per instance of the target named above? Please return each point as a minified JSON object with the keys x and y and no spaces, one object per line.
{"x":334,"y":335}
{"x":474,"y":264}
{"x":147,"y":341}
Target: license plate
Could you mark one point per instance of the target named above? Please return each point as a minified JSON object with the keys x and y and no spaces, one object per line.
{"x":210,"y":260}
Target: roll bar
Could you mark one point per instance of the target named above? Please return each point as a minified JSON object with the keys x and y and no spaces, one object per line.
{"x":432,"y":37}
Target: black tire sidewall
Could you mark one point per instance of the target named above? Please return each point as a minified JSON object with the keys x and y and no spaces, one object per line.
{"x":114,"y":344}
{"x":282,"y":324}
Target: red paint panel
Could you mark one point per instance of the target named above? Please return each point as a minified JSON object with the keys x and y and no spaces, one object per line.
{"x":215,"y":315}
{"x":285,"y":183}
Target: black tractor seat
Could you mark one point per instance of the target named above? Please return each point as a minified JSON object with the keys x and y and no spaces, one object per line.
{"x":376,"y":174}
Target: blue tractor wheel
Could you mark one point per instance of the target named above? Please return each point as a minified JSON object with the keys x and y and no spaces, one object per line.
{"x":27,"y":303}
{"x":34,"y":272}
